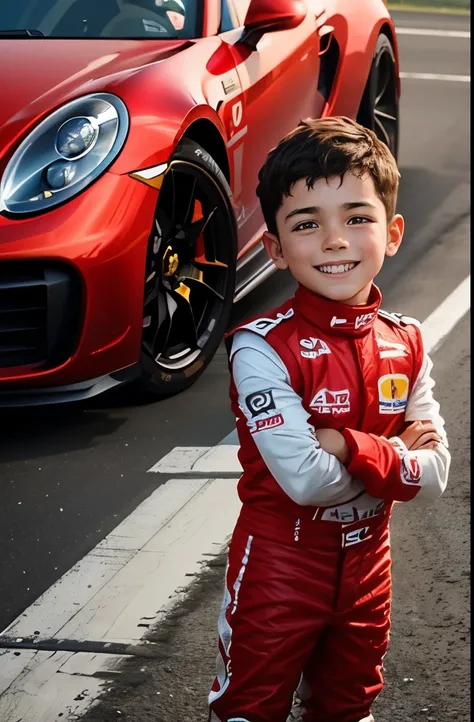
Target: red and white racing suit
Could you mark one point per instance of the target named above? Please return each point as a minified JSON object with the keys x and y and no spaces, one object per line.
{"x":308,"y":583}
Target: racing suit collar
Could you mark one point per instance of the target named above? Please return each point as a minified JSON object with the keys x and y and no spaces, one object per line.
{"x":338,"y":318}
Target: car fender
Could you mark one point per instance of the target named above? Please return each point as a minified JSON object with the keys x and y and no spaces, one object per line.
{"x":160,"y":118}
{"x":366,"y":19}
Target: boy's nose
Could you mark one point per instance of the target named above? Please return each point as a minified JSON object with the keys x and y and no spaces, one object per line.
{"x":334,"y":242}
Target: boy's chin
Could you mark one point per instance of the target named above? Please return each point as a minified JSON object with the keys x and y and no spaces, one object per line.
{"x":342,"y":293}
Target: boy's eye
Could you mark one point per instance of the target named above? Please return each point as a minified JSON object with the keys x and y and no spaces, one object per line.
{"x":305,"y":226}
{"x":359,"y":219}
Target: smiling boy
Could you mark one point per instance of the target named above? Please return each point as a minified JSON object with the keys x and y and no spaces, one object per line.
{"x":336,"y":421}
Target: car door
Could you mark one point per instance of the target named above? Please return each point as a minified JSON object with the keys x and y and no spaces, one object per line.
{"x":279,"y":82}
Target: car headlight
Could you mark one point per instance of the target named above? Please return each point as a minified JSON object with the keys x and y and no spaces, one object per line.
{"x":64,"y":153}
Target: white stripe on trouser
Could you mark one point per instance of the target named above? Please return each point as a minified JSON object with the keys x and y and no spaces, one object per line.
{"x":225,"y":630}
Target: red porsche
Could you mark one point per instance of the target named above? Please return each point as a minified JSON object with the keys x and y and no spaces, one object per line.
{"x":131,"y":135}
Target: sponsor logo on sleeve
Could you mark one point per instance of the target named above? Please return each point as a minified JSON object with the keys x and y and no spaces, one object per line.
{"x":260,"y":402}
{"x":331,"y":402}
{"x":393,"y":393}
{"x":314,"y":347}
{"x":411,"y":470}
{"x":270,"y":422}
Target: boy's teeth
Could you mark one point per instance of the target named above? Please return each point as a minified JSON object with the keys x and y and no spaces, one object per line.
{"x":337,"y":269}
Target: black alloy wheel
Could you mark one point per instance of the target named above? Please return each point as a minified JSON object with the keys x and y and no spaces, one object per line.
{"x":190,"y":272}
{"x":379,"y":106}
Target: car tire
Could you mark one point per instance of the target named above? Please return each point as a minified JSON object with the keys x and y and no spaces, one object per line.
{"x":379,"y":108}
{"x":190,"y":267}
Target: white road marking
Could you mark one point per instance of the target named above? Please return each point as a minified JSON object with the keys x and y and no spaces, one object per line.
{"x":139,"y":571}
{"x":220,"y":459}
{"x":432,"y":33}
{"x":179,"y":459}
{"x":123,"y":586}
{"x":436,"y":76}
{"x":441,"y":322}
{"x":66,"y":680}
{"x":132,"y":573}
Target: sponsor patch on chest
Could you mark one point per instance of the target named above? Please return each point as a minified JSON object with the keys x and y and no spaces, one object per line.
{"x":391,"y":349}
{"x":313,"y":347}
{"x":393,"y":393}
{"x":331,"y":402}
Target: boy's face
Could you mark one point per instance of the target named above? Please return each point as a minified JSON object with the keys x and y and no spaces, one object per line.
{"x":334,"y":237}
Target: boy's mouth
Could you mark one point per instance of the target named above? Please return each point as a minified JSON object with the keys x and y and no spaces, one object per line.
{"x":337,"y":268}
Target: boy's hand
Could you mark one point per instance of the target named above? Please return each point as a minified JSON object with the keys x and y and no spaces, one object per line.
{"x":334,"y":443}
{"x":420,"y":435}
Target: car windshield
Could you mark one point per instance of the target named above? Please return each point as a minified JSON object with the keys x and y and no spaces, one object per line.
{"x":144,"y":19}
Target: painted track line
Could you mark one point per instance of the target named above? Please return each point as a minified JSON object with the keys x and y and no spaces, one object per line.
{"x":436,"y":76}
{"x":433,"y":33}
{"x":441,"y":322}
{"x":128,"y":582}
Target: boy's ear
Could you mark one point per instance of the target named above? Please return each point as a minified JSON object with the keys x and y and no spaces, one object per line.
{"x":394,"y":235}
{"x":273,"y":248}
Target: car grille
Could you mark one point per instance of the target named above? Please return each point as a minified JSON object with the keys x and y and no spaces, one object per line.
{"x":40,"y":308}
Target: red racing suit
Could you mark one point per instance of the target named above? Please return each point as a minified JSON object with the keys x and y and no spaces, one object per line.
{"x":308,"y":583}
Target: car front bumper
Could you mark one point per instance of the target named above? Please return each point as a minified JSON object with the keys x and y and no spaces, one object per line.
{"x":71,"y":287}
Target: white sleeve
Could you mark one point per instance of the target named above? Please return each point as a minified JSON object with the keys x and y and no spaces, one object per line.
{"x":279,"y":426}
{"x":433,"y":463}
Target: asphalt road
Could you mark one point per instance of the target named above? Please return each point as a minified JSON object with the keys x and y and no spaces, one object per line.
{"x":69,"y":476}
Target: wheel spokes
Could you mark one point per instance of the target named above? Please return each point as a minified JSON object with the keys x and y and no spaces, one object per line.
{"x":383,"y":130}
{"x":186,"y":280}
{"x":383,"y":115}
{"x":183,"y":320}
{"x":164,"y":228}
{"x":191,"y":274}
{"x":384,"y":77}
{"x":157,"y":320}
{"x":193,"y":233}
{"x":190,"y":211}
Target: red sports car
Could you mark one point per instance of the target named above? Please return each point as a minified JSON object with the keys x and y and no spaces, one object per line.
{"x":131,"y":135}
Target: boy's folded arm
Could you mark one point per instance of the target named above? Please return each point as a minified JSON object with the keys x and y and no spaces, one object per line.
{"x":279,"y":426}
{"x":392,"y":472}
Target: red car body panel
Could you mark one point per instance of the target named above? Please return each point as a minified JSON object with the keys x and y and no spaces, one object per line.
{"x":106,"y":245}
{"x":167,"y":87}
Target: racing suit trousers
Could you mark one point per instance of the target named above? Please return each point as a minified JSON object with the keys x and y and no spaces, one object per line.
{"x":301,"y":610}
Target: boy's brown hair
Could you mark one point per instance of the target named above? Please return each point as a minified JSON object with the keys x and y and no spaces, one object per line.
{"x":324,"y":148}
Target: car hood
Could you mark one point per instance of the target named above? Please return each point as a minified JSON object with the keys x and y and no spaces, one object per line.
{"x":41,"y":74}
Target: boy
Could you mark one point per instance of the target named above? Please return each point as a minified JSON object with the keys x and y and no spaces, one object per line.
{"x":336,"y":422}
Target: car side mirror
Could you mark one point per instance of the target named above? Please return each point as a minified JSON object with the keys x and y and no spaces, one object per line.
{"x":267,"y":16}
